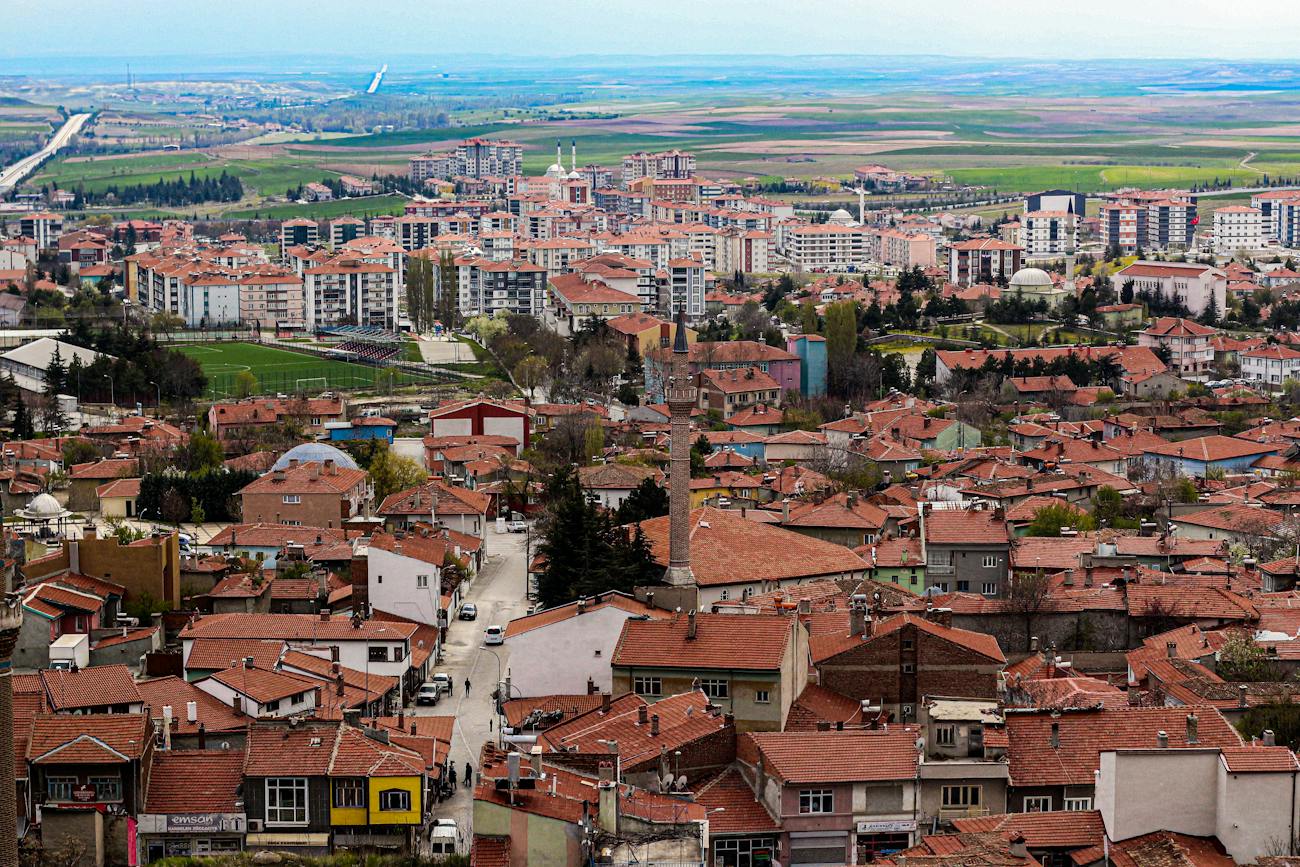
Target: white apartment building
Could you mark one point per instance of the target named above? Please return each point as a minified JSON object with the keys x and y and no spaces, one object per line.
{"x":1049,"y":233}
{"x":486,"y":286}
{"x":1267,"y":203}
{"x":1192,"y":284}
{"x":1238,"y":228}
{"x":684,"y":288}
{"x":350,"y":291}
{"x":1270,"y":366}
{"x":429,"y":166}
{"x":43,"y":228}
{"x":404,"y":574}
{"x":487,"y":158}
{"x":826,"y":246}
{"x":741,"y":250}
{"x":662,"y":166}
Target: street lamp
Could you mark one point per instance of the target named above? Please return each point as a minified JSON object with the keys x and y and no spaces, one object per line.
{"x":158,"y":401}
{"x":112,"y":395}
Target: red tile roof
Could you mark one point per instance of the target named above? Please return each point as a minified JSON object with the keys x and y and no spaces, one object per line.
{"x":964,"y":527}
{"x":751,"y":642}
{"x":609,"y":599}
{"x":215,"y":715}
{"x":1211,"y":448}
{"x":294,"y":627}
{"x":102,"y":738}
{"x":1084,"y":735}
{"x":97,"y":686}
{"x":1053,"y":830}
{"x":195,"y":781}
{"x":683,"y":720}
{"x":863,"y":755}
{"x":732,"y":807}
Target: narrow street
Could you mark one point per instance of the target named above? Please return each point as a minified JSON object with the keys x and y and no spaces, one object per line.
{"x":499,"y":591}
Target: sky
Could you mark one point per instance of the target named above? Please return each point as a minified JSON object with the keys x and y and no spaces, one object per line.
{"x":1060,"y":29}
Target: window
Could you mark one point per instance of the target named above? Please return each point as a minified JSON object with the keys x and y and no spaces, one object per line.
{"x":909,"y":668}
{"x":990,"y":588}
{"x":647,"y":686}
{"x":421,"y":582}
{"x":909,"y":644}
{"x":941,"y":585}
{"x":1038,"y":804}
{"x":395,"y":800}
{"x":945,"y":736}
{"x":762,"y":696}
{"x":59,"y":788}
{"x":272,"y":705}
{"x":962,"y":796}
{"x":286,"y":800}
{"x":1078,"y":804}
{"x":349,"y":793}
{"x":963,"y":586}
{"x":724,"y":595}
{"x":379,"y":654}
{"x":816,"y":801}
{"x":291,"y":499}
{"x":991,"y":561}
{"x":714,"y":688}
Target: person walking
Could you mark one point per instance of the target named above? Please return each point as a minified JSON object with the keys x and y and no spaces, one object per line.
{"x":469,"y":775}
{"x":451,"y":776}
{"x":467,"y":686}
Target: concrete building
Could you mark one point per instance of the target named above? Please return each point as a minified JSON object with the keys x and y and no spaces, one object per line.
{"x":1270,"y":365}
{"x":966,"y":550}
{"x":983,"y":260}
{"x":811,"y":349}
{"x":1238,"y":228}
{"x":826,"y":246}
{"x":350,"y":291}
{"x":311,"y":495}
{"x":563,"y":650}
{"x":44,"y":228}
{"x":298,"y":232}
{"x":1188,"y":343}
{"x":1196,"y":286}
{"x":484,"y":158}
{"x":1049,"y":233}
{"x":664,"y":165}
{"x":404,"y":571}
{"x":1057,"y":200}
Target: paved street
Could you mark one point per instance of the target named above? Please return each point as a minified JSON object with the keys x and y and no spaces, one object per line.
{"x":499,"y":592}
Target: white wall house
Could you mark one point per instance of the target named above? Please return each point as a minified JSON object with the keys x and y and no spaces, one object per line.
{"x":1270,"y":366}
{"x":404,"y":575}
{"x":260,"y":693}
{"x":555,"y":652}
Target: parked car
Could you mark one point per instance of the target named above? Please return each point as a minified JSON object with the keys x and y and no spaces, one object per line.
{"x":442,"y":680}
{"x":428,"y":694}
{"x":469,"y":611}
{"x":494,"y":635}
{"x":517,"y":527}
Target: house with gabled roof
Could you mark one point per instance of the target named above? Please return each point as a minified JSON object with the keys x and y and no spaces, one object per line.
{"x":193,"y":804}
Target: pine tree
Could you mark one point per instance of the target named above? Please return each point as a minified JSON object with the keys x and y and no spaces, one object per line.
{"x":22,"y":418}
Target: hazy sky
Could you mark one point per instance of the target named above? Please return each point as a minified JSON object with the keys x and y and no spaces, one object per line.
{"x":1263,"y":29}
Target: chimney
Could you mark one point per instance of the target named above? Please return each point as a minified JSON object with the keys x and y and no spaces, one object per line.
{"x":1017,"y":846}
{"x":1069,"y":578}
{"x":823,"y":725}
{"x":352,"y":717}
{"x":1162,"y":739}
{"x":785,"y":511}
{"x":203,"y":736}
{"x":1056,"y":735}
{"x":604,"y":702}
{"x":192,"y":711}
{"x":654,"y":725}
{"x":324,"y":615}
{"x":608,"y":789}
{"x":338,"y":685}
{"x":1269,"y":739}
{"x":1241,"y":695}
{"x":167,"y":727}
{"x":642,"y":715}
{"x":314,"y":472}
{"x":1192,"y":722}
{"x":591,"y":686}
{"x":1171,"y":649}
{"x":858,"y":621}
{"x":690,"y":625}
{"x":535,"y":759}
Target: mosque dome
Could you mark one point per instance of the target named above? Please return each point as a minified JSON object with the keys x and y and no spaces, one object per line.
{"x":1030,"y":277}
{"x":318,"y":452}
{"x":43,"y":507}
{"x":840,"y":216}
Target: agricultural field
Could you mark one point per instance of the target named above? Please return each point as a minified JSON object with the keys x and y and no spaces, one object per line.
{"x":284,"y":371}
{"x":366,"y":206}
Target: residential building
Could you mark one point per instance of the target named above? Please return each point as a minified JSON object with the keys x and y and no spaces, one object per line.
{"x":1049,"y":233}
{"x":730,"y":391}
{"x":566,"y":650}
{"x":1188,"y":343}
{"x":192,"y":805}
{"x":1270,"y":365}
{"x":431,"y":167}
{"x":785,"y":368}
{"x":448,"y":506}
{"x":312,"y":494}
{"x":861,"y":805}
{"x":349,"y":290}
{"x":1238,"y":228}
{"x":575,"y":301}
{"x":896,"y":661}
{"x":826,"y":246}
{"x":684,"y":288}
{"x":811,"y":349}
{"x":242,"y":420}
{"x":404,"y":571}
{"x":298,"y":232}
{"x":665,"y":165}
{"x":43,"y":228}
{"x":1057,"y":200}
{"x":966,"y":550}
{"x":983,"y":260}
{"x":1199,"y":456}
{"x":487,"y":158}
{"x":752,"y":666}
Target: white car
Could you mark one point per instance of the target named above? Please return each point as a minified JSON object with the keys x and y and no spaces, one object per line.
{"x":517,"y":527}
{"x":494,"y":635}
{"x":441,"y":680}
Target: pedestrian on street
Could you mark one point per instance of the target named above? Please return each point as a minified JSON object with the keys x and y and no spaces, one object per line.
{"x":451,"y":777}
{"x":469,"y":775}
{"x":467,"y":686}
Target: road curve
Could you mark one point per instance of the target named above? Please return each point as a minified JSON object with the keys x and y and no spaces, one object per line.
{"x":14,"y":174}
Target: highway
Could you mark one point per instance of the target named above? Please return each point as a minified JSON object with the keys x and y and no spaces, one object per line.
{"x":14,"y":174}
{"x":379,"y":77}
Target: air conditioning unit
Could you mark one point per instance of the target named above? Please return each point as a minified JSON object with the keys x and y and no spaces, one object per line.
{"x":907,"y":710}
{"x":254,"y":826}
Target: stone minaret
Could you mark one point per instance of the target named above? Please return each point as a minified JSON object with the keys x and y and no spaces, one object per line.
{"x":681,"y":400}
{"x":11,"y":620}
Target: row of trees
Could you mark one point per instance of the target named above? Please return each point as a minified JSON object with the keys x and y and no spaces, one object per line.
{"x":192,"y":191}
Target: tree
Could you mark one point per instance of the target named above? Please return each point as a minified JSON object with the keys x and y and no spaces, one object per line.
{"x":22,"y":418}
{"x":1240,"y":659}
{"x":1048,"y":520}
{"x":1126,"y":292}
{"x":647,"y":500}
{"x":841,"y":342}
{"x":1107,"y":506}
{"x":1028,"y":593}
{"x":531,"y":372}
{"x":245,"y":384}
{"x":391,"y":473}
{"x":175,"y":507}
{"x":202,"y":451}
{"x":700,"y":450}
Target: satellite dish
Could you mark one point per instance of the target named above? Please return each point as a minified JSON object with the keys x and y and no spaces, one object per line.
{"x":681,"y":783}
{"x":666,"y":783}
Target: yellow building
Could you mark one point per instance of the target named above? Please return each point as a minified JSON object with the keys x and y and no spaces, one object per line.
{"x":645,"y":332}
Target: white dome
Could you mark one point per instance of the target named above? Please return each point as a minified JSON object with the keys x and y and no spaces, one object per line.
{"x":318,"y":452}
{"x":1031,"y":277}
{"x":43,"y":507}
{"x":556,"y":171}
{"x":840,"y":216}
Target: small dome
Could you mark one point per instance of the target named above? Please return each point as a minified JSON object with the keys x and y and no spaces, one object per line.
{"x":318,"y":452}
{"x":840,"y":216}
{"x":1031,"y":277}
{"x":43,"y":507}
{"x":556,"y":171}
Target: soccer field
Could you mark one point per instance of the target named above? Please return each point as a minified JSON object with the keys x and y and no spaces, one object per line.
{"x":284,"y":371}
